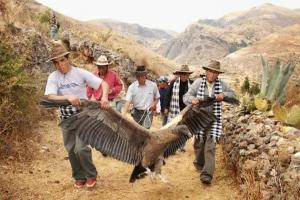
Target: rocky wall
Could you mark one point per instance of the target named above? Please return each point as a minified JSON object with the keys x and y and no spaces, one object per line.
{"x":265,"y":158}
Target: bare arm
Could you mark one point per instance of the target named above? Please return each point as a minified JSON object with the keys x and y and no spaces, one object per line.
{"x":104,"y":99}
{"x":75,"y":101}
{"x":125,"y":108}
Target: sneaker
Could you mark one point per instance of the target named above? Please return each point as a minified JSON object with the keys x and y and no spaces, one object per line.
{"x":91,"y":182}
{"x":79,"y":183}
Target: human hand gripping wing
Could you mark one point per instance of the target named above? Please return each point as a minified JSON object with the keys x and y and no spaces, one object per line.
{"x":111,"y":133}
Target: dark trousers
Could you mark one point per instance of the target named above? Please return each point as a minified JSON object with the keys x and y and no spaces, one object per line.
{"x":205,"y":151}
{"x":80,"y":156}
{"x":142,"y":117}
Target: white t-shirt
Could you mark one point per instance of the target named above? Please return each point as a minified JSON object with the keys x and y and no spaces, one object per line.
{"x":73,"y":82}
{"x":142,"y":96}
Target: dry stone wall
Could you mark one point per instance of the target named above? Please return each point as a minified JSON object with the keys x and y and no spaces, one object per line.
{"x":266,"y":160}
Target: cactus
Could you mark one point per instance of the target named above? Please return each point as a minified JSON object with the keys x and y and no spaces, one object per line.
{"x":247,"y":103}
{"x":293,"y":117}
{"x":289,"y":69}
{"x":261,"y":104}
{"x":273,"y":83}
{"x":265,"y":77}
{"x":280,"y":112}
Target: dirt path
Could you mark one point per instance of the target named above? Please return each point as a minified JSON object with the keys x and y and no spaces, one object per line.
{"x":49,"y":177}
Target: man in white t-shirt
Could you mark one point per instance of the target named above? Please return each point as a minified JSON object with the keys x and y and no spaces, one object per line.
{"x":69,"y":83}
{"x":144,"y":95}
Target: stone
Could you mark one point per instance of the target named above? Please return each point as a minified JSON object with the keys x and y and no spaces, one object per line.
{"x":243,"y":144}
{"x":11,"y":157}
{"x":252,"y":152}
{"x":251,"y":146}
{"x":291,"y":149}
{"x":284,"y":157}
{"x":266,"y":139}
{"x":272,"y":144}
{"x":258,"y":119}
{"x":293,"y":133}
{"x":249,"y":164}
{"x":243,"y":119}
{"x":268,"y":121}
{"x":251,"y":126}
{"x":273,"y":172}
{"x":242,"y":152}
{"x":272,"y":152}
{"x":274,"y":138}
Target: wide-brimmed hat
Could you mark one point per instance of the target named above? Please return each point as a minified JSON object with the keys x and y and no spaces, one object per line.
{"x":141,"y":70}
{"x":102,"y":61}
{"x":214,"y":65}
{"x":183,"y":69}
{"x":57,"y":51}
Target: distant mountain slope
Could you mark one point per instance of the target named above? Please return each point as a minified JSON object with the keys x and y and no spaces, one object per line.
{"x":149,"y":37}
{"x":284,"y":45}
{"x":214,"y":39}
{"x":105,"y":37}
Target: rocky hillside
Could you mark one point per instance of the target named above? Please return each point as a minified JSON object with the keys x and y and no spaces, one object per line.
{"x":101,"y":35}
{"x":150,"y":38}
{"x":214,"y":39}
{"x":284,"y":45}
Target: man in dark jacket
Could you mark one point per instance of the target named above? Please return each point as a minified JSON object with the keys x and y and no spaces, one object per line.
{"x":204,"y":88}
{"x":174,"y":102}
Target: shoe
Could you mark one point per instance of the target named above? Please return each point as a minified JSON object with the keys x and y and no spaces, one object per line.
{"x":205,"y":179}
{"x":91,"y":182}
{"x":79,"y":183}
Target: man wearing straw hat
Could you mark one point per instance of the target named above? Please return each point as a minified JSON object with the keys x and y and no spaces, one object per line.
{"x":144,"y":95}
{"x":69,"y":82}
{"x":173,"y":99}
{"x":208,"y":92}
{"x":109,"y":76}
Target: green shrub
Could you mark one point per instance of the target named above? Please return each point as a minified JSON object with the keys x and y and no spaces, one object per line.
{"x":18,"y":93}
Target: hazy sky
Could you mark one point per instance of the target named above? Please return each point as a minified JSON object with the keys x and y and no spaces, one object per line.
{"x":166,"y":14}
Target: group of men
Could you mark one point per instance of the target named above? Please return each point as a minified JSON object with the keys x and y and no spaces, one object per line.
{"x":72,"y":83}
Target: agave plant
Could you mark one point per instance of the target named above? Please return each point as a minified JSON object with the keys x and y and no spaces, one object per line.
{"x":273,"y":84}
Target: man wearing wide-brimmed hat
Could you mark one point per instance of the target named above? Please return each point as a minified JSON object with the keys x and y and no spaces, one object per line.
{"x":144,"y":95}
{"x":109,"y":76}
{"x":208,"y":92}
{"x":177,"y":88}
{"x":69,"y":82}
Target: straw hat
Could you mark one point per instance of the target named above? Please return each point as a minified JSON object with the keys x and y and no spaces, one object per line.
{"x":57,"y":51}
{"x":214,"y":66}
{"x":183,"y":69}
{"x":102,"y":61}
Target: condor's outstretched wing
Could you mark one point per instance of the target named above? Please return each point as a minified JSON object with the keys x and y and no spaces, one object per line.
{"x":107,"y":131}
{"x":196,"y":119}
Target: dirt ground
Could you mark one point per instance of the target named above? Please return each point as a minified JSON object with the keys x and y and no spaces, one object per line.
{"x":48,"y":176}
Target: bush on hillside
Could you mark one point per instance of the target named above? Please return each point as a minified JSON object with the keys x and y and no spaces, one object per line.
{"x":18,"y":96}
